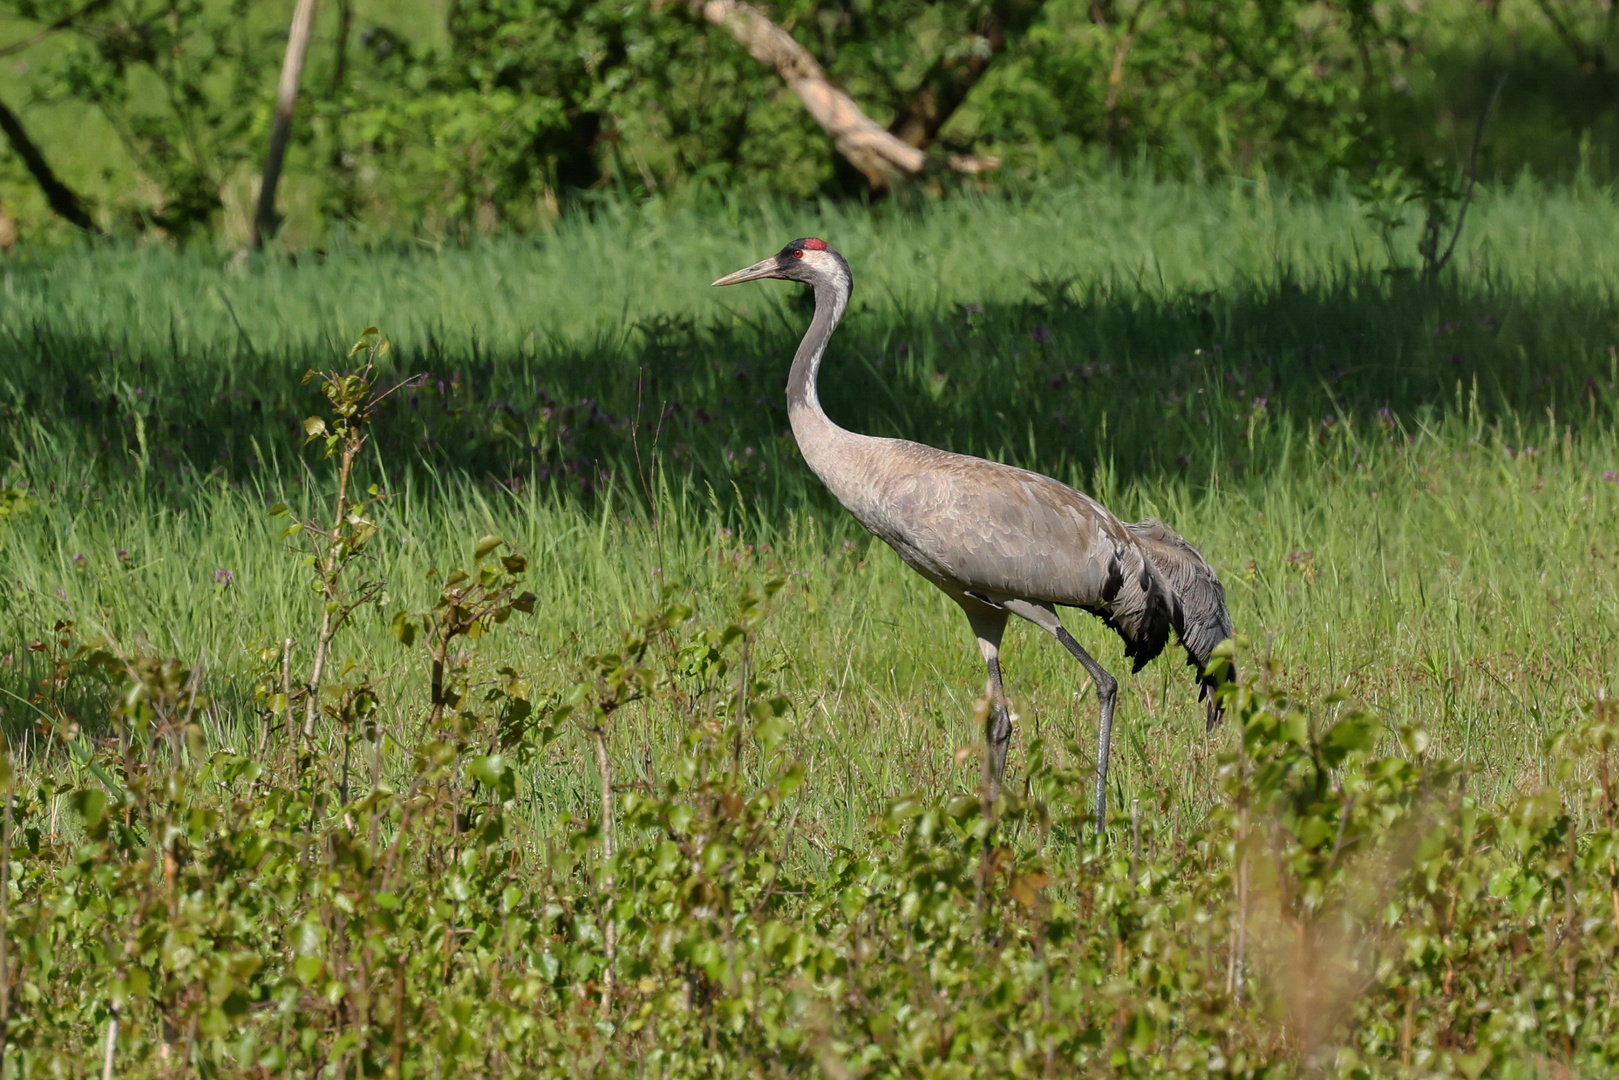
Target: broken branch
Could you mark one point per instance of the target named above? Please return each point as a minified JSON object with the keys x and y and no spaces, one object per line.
{"x":869,"y":147}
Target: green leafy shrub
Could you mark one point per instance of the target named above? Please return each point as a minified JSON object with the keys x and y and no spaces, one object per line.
{"x":401,"y":906}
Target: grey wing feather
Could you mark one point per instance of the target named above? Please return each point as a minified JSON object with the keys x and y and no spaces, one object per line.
{"x":1002,"y":532}
{"x":1201,"y":618}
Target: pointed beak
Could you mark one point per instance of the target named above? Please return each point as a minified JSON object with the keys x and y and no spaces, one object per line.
{"x":763,"y":269}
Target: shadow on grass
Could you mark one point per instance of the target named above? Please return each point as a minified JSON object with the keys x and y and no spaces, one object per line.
{"x":1084,"y":377}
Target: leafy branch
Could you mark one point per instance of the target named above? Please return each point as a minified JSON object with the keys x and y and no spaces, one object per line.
{"x":334,"y":547}
{"x":468,"y":604}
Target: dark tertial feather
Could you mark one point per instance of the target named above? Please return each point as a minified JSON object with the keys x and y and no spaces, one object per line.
{"x":1137,"y":604}
{"x":1200,"y":615}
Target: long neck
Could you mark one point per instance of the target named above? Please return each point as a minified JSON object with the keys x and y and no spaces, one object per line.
{"x":811,"y":425}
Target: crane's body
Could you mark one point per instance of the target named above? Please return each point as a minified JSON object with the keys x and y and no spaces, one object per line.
{"x":998,"y":540}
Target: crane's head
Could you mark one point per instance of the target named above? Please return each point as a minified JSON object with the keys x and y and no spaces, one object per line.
{"x":809,"y":260}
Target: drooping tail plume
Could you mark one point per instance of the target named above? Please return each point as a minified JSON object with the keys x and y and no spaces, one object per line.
{"x":1199,"y":612}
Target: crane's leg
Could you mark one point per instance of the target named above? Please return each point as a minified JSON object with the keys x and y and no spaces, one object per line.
{"x":1107,"y":692}
{"x":988,"y":626}
{"x":1107,"y":689}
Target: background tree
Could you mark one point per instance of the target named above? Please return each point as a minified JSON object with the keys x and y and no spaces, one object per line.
{"x":490,"y":114}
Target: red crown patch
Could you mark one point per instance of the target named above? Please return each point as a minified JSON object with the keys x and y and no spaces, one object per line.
{"x":813,"y":244}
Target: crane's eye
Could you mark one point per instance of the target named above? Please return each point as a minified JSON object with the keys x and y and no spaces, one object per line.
{"x":799,"y":254}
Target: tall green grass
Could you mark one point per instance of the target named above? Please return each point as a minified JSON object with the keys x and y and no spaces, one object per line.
{"x":1408,"y":488}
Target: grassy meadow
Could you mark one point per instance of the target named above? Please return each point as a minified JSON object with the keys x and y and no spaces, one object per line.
{"x":1409,"y":488}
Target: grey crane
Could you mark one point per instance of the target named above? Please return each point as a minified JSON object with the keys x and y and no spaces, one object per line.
{"x":999,"y":540}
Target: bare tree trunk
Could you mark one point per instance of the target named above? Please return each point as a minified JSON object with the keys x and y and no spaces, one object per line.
{"x":879,"y":154}
{"x":266,"y":221}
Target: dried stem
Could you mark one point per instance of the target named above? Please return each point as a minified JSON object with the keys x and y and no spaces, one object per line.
{"x":5,"y":904}
{"x":1239,"y":943}
{"x":331,"y":567}
{"x":286,"y":687}
{"x":1605,"y":778}
{"x":609,"y":929}
{"x":1472,"y":178}
{"x":112,"y":1041}
{"x":396,"y":1061}
{"x":988,"y":794}
{"x":1239,"y":955}
{"x":441,"y":648}
{"x":1135,"y":845}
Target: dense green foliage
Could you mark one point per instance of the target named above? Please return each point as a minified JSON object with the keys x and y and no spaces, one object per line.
{"x":477,"y":115}
{"x":1341,"y":912}
{"x":593,"y":559}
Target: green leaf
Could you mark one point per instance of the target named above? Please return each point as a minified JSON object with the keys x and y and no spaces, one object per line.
{"x":106,"y":781}
{"x":790,"y":779}
{"x":770,"y":726}
{"x":403,"y":628}
{"x":1355,"y":733}
{"x":904,"y":809}
{"x":309,"y":938}
{"x":1295,"y":728}
{"x":364,"y":342}
{"x":494,"y":773}
{"x":314,"y":427}
{"x":486,"y":545}
{"x":1315,"y":831}
{"x":90,"y":804}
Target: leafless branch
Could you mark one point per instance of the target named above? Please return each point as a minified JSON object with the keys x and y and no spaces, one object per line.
{"x":1472,"y":175}
{"x":66,"y":202}
{"x":1582,"y":54}
{"x":60,"y":24}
